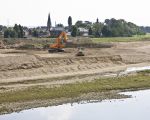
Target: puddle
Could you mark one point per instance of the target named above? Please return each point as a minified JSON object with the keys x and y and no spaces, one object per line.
{"x":135,"y":108}
{"x":134,"y":69}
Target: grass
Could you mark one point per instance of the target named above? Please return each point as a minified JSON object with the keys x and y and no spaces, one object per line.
{"x":140,"y":81}
{"x":122,"y":39}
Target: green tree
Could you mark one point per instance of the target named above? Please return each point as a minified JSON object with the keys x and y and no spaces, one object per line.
{"x":18,"y":31}
{"x":80,"y":24}
{"x":60,"y":25}
{"x":6,"y":34}
{"x":74,"y":31}
{"x":97,"y":20}
{"x":90,"y":32}
{"x":116,"y":28}
{"x":70,"y":22}
{"x":97,"y":29}
{"x":106,"y":31}
{"x":21,"y":33}
{"x":15,"y":32}
{"x":9,"y":33}
{"x":35,"y":33}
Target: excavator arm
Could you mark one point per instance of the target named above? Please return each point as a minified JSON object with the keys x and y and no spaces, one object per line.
{"x":59,"y":43}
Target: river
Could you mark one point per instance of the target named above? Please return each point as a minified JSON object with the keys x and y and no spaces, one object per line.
{"x":135,"y":108}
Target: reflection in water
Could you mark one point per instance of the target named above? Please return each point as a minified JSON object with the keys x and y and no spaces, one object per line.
{"x":136,"y":108}
{"x":134,"y":69}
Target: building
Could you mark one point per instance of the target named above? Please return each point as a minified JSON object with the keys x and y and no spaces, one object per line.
{"x":83,"y":32}
{"x":55,"y":31}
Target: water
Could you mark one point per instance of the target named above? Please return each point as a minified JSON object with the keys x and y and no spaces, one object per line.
{"x":134,"y":69}
{"x":135,"y":108}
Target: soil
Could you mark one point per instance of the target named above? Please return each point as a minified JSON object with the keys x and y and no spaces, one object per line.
{"x":19,"y":66}
{"x":20,"y":69}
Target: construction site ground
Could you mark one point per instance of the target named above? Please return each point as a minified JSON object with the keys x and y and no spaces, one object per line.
{"x":25,"y":68}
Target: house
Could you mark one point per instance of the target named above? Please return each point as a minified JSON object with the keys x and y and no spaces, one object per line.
{"x":83,"y":32}
{"x":40,"y":31}
{"x":55,"y":31}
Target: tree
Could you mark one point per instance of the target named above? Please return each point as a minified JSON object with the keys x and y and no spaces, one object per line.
{"x":15,"y":32}
{"x":49,"y":24}
{"x":18,"y":31}
{"x":59,"y":25}
{"x":80,"y":24}
{"x":97,"y":29}
{"x":1,"y":27}
{"x":106,"y":31}
{"x":21,"y":33}
{"x":74,"y":31}
{"x":97,"y":20}
{"x":9,"y":33}
{"x":90,"y":32}
{"x":6,"y":33}
{"x":117,"y":28}
{"x":70,"y":22}
{"x":35,"y":33}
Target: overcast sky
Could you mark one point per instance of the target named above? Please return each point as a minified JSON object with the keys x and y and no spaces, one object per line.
{"x":35,"y":12}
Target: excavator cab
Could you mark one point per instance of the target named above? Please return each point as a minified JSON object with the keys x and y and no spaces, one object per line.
{"x":59,"y":43}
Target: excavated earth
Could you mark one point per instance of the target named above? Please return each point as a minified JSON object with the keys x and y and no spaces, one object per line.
{"x":20,"y":69}
{"x":23,"y":68}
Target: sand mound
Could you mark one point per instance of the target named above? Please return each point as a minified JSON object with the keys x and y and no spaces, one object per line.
{"x":30,"y":65}
{"x":19,"y":62}
{"x":18,"y":65}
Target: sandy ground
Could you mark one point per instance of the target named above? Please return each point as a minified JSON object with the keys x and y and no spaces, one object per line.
{"x":23,"y":68}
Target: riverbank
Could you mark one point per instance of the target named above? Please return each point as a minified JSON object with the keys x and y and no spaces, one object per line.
{"x":99,"y":89}
{"x":34,"y":78}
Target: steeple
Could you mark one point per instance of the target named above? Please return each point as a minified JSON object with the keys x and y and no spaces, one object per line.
{"x":49,"y":24}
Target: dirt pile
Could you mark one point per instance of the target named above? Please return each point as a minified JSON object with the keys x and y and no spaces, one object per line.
{"x":2,"y":45}
{"x":30,"y":65}
{"x":19,"y":62}
{"x":18,"y":65}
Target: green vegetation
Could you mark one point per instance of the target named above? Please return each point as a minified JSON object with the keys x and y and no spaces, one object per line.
{"x":69,"y":22}
{"x":15,"y":32}
{"x":140,"y":81}
{"x":120,"y":28}
{"x":110,"y":28}
{"x":122,"y":39}
{"x":74,"y":31}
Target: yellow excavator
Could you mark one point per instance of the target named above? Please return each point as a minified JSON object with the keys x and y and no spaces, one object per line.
{"x":59,"y":43}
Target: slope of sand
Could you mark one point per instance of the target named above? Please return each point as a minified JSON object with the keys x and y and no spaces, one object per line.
{"x":23,"y":68}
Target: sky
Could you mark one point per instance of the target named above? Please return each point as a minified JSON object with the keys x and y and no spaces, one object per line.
{"x":35,"y":12}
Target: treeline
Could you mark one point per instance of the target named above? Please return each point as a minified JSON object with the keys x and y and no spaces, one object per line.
{"x":109,"y":28}
{"x":15,"y":32}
